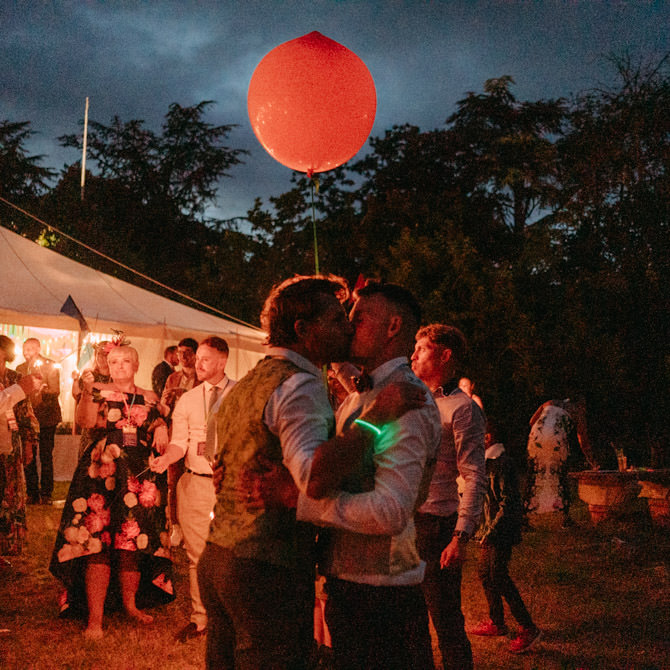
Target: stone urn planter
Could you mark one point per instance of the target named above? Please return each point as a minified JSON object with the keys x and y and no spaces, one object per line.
{"x":655,"y":487}
{"x":606,"y":492}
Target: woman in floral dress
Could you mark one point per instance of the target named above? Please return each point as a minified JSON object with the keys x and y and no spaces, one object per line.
{"x":113,"y":524}
{"x":552,"y":437}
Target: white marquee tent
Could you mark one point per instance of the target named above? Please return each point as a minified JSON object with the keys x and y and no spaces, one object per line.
{"x":37,"y":281}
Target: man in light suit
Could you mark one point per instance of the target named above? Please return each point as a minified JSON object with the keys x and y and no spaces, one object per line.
{"x":195,"y":490}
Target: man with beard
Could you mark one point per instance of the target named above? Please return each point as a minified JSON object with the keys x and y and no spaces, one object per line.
{"x":188,"y":440}
{"x":256,"y":574}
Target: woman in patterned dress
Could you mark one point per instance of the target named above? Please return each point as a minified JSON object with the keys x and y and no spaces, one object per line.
{"x":20,"y":430}
{"x":552,"y":437}
{"x":113,"y":524}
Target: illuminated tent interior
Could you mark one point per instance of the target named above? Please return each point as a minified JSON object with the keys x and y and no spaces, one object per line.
{"x":37,"y":281}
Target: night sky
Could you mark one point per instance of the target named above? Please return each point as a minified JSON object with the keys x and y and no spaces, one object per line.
{"x":132,"y":59}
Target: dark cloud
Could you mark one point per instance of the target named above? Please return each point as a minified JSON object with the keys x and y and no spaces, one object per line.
{"x":132,"y":59}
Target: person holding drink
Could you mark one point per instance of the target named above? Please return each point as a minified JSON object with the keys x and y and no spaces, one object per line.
{"x":40,"y":483}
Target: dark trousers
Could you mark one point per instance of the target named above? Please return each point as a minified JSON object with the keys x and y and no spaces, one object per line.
{"x":442,"y":590}
{"x":378,"y":627}
{"x":44,"y":483}
{"x":259,"y":615}
{"x":497,"y":583}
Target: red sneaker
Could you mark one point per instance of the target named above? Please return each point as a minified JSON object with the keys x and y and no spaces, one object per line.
{"x":524,"y":640}
{"x":488,"y":628}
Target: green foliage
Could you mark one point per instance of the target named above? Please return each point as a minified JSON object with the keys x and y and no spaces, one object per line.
{"x":146,"y":206}
{"x":21,"y":178}
{"x":181,"y":167}
{"x":540,"y":228}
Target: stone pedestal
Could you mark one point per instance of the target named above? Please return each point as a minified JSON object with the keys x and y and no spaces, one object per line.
{"x":606,"y":492}
{"x":655,"y":487}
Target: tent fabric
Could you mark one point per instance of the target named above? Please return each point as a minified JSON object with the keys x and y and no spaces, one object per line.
{"x":37,"y":281}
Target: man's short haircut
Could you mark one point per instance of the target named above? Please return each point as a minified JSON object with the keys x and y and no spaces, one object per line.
{"x":170,"y":349}
{"x":216,"y":342}
{"x":398,"y":295}
{"x":448,"y":337}
{"x":299,"y":297}
{"x":32,"y":339}
{"x":190,"y":343}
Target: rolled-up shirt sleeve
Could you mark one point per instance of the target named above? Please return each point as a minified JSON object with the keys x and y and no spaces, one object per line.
{"x":299,"y":414}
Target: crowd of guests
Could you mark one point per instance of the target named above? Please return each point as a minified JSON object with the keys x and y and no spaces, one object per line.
{"x":370,"y":485}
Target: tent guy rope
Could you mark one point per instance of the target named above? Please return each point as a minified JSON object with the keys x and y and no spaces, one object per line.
{"x":126,"y":267}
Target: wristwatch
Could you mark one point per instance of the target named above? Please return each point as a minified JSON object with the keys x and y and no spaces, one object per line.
{"x":461,"y":535}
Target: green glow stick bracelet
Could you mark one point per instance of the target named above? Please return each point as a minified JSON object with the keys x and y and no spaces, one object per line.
{"x":369,"y":426}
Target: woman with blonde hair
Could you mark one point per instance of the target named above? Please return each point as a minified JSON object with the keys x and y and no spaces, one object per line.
{"x":113,"y":525}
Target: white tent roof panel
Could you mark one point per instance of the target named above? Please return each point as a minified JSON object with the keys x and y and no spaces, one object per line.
{"x":37,"y":281}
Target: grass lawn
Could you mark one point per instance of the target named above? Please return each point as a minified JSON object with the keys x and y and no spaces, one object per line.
{"x":600,"y":596}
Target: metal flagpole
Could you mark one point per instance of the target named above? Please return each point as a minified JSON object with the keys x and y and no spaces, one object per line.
{"x":83,"y":152}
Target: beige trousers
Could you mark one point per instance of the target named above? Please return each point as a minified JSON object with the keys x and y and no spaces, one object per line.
{"x":195,"y":502}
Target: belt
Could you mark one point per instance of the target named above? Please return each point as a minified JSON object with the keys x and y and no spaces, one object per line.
{"x":198,"y":474}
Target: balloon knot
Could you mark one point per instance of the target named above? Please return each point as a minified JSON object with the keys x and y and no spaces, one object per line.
{"x":310,"y":173}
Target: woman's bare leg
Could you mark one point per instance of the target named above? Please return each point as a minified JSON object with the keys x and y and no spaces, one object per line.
{"x":129,"y":577}
{"x":97,"y":581}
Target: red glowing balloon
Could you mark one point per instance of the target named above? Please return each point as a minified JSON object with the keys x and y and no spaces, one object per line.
{"x":312,"y":103}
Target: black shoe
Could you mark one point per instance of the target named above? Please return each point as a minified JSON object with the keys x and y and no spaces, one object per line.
{"x":189,"y":632}
{"x":33,"y":500}
{"x":45,"y":500}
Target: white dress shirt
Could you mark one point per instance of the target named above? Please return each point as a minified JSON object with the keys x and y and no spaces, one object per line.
{"x":10,"y":396}
{"x":461,"y":452}
{"x":299,"y":414}
{"x":400,"y":456}
{"x":189,"y":423}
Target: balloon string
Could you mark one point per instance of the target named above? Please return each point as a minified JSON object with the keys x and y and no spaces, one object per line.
{"x":316,"y":245}
{"x":314,"y":183}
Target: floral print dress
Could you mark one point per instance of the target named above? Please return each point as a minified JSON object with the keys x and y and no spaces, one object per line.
{"x":24,"y":438}
{"x":116,"y":502}
{"x":548,"y":449}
